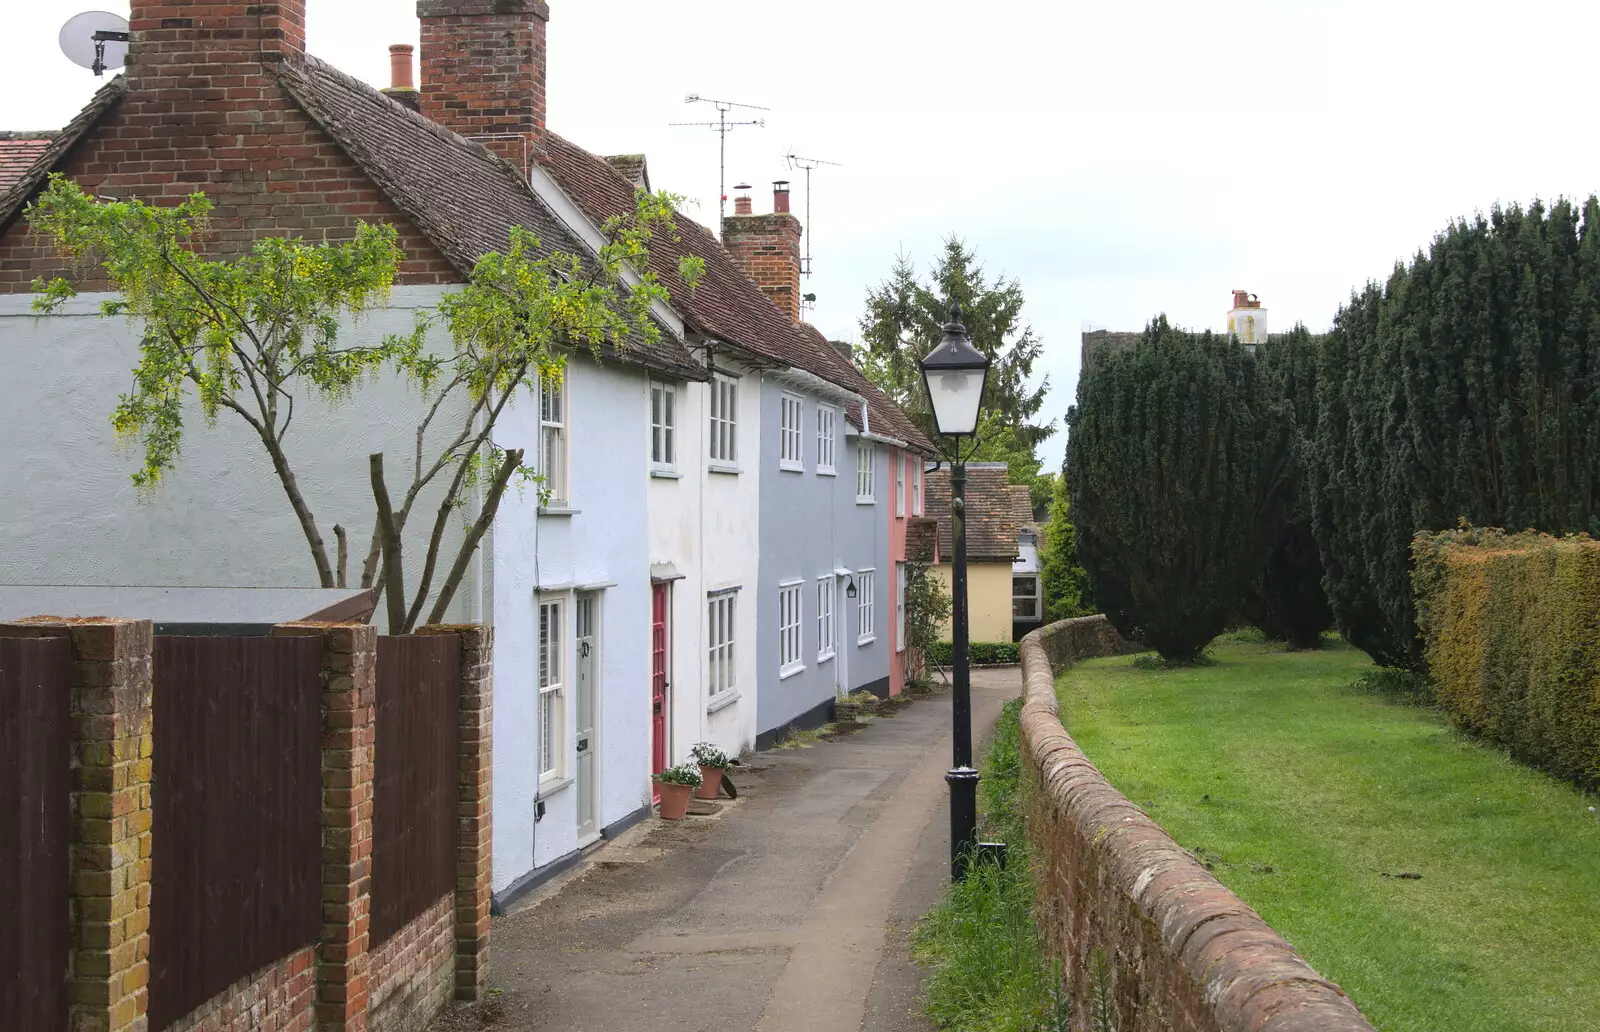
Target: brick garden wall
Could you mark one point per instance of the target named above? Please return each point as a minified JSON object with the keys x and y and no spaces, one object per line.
{"x":1186,"y":953}
{"x":279,"y":997}
{"x":411,"y":977}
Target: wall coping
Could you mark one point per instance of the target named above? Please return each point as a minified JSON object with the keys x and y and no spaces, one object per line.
{"x":1217,"y":949}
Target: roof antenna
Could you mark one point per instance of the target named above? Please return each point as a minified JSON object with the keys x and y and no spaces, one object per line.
{"x":96,"y":40}
{"x":796,"y":161}
{"x":722,"y":127}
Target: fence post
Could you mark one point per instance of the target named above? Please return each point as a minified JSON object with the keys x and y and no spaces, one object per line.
{"x":109,"y":972}
{"x":474,"y":815}
{"x":350,"y":671}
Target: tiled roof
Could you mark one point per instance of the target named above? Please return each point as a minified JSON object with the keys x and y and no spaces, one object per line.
{"x":996,"y":511}
{"x":18,"y":152}
{"x":462,"y":196}
{"x":14,"y":195}
{"x":727,"y":304}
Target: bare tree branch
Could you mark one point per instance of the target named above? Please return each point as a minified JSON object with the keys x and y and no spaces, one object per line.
{"x":344,"y":554}
{"x":391,"y":547}
{"x":491,"y":505}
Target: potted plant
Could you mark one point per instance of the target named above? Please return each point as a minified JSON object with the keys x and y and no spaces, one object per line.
{"x":712,"y":762}
{"x":677,"y":783}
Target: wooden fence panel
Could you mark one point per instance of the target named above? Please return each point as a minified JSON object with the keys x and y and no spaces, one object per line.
{"x":35,"y":826}
{"x":237,"y":795}
{"x":415,"y":774}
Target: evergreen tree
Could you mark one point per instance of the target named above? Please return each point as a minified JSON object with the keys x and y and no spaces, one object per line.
{"x":1066,"y":588}
{"x":1465,"y":388}
{"x":1177,"y":452}
{"x":904,"y":320}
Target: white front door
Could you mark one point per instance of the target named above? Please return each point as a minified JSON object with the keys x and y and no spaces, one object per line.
{"x":587,"y":774}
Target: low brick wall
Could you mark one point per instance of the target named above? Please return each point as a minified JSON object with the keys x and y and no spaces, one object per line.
{"x":413,"y":971}
{"x":1186,"y":954}
{"x":279,"y":996}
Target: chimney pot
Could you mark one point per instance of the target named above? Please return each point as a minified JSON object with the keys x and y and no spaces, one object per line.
{"x":400,"y":77}
{"x":741,"y":202}
{"x":780,"y":197}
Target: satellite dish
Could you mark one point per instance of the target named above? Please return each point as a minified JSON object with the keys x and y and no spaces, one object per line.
{"x":96,"y":40}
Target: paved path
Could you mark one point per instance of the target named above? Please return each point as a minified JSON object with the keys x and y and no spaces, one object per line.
{"x":788,"y":912}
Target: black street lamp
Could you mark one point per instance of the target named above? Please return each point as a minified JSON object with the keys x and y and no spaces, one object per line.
{"x":954,"y":374}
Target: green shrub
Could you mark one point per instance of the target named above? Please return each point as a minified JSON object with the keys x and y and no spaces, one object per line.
{"x":1511,"y":632}
{"x":978,"y":652}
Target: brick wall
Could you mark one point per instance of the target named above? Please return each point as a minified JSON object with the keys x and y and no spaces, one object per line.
{"x":411,"y":973}
{"x":767,"y":248}
{"x":483,"y":71}
{"x":279,"y":997}
{"x":204,"y":112}
{"x":1186,"y":953}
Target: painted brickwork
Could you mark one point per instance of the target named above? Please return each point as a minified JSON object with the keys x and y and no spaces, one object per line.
{"x":1187,"y":954}
{"x":205,"y":111}
{"x":411,"y":973}
{"x":278,"y":998}
{"x":483,"y":71}
{"x":109,"y":966}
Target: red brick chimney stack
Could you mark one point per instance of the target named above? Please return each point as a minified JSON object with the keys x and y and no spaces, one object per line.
{"x":483,"y":71}
{"x":181,"y":45}
{"x":767,"y":247}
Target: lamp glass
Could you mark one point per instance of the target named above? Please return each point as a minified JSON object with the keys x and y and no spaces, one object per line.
{"x":955,"y":395}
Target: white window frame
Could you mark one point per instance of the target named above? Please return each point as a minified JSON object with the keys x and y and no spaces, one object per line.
{"x":825,"y":629}
{"x":899,"y":607}
{"x":723,"y":426}
{"x":722,"y":618}
{"x":900,"y":486}
{"x":827,"y":440}
{"x":866,"y":473}
{"x":791,"y":453}
{"x":791,"y":607}
{"x":1034,"y":598}
{"x":554,"y":443}
{"x":916,"y":484}
{"x":551,"y":635}
{"x":663,"y":426}
{"x":866,"y":598}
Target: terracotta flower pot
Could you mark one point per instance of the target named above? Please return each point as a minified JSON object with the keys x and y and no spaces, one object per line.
{"x":675,"y":801}
{"x":710,"y":783}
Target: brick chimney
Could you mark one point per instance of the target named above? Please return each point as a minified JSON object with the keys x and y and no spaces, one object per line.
{"x":180,"y":45}
{"x":767,"y":247}
{"x":483,"y":71}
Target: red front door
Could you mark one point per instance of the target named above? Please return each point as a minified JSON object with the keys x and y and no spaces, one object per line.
{"x":658,"y":684}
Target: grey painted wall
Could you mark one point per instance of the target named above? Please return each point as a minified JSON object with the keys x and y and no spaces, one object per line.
{"x":811,"y":525}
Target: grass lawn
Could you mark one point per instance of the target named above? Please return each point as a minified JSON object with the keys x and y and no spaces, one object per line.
{"x":1307,"y":796}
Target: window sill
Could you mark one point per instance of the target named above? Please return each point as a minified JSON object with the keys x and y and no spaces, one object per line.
{"x":824,"y":471}
{"x":866,"y":501}
{"x":824,"y":657}
{"x":558,"y":510}
{"x":731,"y":471}
{"x":721,"y":702}
{"x":550,"y":784}
{"x":784,"y":673}
{"x":866,"y":639}
{"x":900,"y":647}
{"x":666,"y":474}
{"x":791,"y":467}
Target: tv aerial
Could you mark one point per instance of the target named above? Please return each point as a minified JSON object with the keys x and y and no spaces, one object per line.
{"x":96,"y":40}
{"x":794,"y":161}
{"x":722,"y":127}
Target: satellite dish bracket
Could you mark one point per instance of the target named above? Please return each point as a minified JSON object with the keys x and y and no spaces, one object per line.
{"x":101,"y":38}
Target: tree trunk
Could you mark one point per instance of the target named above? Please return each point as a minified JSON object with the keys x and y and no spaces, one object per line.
{"x":394,"y":588}
{"x":491,"y":505}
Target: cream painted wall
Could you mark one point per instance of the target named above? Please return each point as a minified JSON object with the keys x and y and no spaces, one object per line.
{"x":988,"y":599}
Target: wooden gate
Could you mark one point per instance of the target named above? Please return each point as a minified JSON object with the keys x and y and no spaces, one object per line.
{"x":415,"y":773}
{"x":237,"y":799}
{"x":35,"y":794}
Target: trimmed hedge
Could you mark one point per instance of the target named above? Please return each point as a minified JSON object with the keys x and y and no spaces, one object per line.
{"x":979,"y":653}
{"x":1511,"y":635}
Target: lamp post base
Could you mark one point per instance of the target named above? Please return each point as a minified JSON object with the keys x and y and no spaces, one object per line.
{"x":963,"y":782}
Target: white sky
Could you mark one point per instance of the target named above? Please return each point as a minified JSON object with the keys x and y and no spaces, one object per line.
{"x":1120,"y":158}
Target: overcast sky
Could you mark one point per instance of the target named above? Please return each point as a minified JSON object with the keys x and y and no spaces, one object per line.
{"x":1119,"y":159}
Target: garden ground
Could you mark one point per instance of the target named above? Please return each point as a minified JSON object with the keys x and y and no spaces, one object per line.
{"x":1441,"y":884}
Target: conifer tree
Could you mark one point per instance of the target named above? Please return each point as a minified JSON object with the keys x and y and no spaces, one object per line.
{"x":1066,"y":588}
